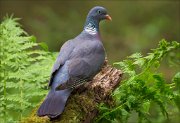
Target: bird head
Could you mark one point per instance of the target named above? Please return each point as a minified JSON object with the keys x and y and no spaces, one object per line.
{"x":98,"y":13}
{"x":94,"y":16}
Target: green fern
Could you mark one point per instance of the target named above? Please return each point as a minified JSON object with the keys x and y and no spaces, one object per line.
{"x":143,"y":87}
{"x":24,"y":71}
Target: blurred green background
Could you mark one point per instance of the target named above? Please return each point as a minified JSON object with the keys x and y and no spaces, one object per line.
{"x":137,"y":26}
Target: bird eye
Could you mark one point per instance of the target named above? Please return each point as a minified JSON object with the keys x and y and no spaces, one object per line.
{"x":99,"y":11}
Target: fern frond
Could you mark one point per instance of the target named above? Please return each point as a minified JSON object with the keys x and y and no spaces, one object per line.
{"x":24,"y":70}
{"x":143,"y":86}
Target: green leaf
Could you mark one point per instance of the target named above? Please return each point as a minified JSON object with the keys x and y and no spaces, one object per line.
{"x":32,"y":38}
{"x":176,"y":80}
{"x":44,"y":46}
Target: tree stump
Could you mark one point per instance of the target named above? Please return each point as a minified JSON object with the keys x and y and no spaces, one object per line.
{"x":82,"y":105}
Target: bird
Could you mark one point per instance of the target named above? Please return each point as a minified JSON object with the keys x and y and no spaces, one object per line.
{"x":79,"y":60}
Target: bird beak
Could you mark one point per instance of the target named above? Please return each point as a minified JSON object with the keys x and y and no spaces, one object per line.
{"x":108,"y":17}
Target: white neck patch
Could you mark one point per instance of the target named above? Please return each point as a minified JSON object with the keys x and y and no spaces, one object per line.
{"x":90,"y":29}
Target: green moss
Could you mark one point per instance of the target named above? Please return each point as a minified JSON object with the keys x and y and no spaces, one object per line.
{"x":33,"y":118}
{"x":78,"y":106}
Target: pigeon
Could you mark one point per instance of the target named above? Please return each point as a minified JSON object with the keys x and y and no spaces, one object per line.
{"x":79,"y":60}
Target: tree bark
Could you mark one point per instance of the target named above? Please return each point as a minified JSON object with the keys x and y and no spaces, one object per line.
{"x":82,"y":105}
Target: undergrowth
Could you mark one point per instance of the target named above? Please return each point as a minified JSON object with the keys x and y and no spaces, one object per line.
{"x":24,"y":71}
{"x":144,"y":88}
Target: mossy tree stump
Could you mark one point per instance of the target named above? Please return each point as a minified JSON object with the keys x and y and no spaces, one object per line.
{"x":82,"y":105}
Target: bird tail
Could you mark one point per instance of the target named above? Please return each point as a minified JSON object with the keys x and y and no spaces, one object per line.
{"x":54,"y":103}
